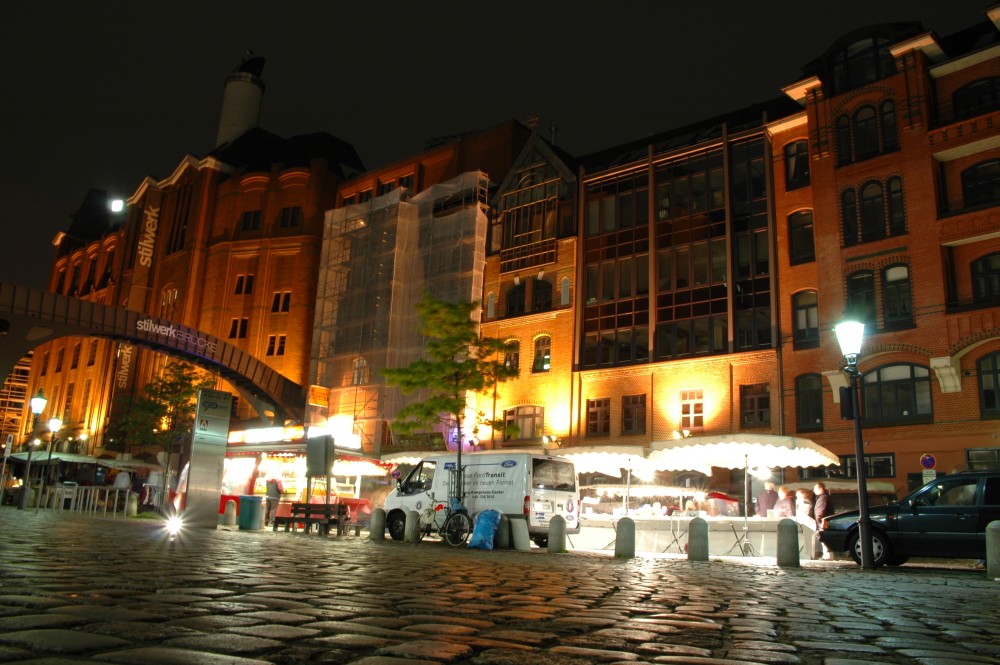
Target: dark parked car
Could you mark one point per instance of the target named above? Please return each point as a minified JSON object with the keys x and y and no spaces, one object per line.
{"x":945,"y":518}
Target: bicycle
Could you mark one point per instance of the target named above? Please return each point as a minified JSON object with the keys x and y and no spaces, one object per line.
{"x":455,"y":525}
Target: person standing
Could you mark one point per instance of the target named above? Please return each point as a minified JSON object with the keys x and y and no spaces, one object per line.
{"x":785,"y":507}
{"x":821,"y":509}
{"x":273,"y":495}
{"x":766,"y":499}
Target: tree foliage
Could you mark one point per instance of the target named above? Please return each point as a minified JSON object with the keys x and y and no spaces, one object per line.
{"x":163,"y":414}
{"x":457,"y":361}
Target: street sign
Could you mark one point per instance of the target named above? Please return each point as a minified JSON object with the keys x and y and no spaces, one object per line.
{"x":927,"y":461}
{"x":929,"y":475}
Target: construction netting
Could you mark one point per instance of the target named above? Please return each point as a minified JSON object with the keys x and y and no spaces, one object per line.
{"x":378,"y":258}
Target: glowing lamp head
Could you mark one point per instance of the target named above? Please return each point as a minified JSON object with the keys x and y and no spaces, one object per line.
{"x":850,"y":334}
{"x":38,"y":403}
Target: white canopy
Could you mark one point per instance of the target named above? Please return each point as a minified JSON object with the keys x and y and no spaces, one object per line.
{"x":742,"y":450}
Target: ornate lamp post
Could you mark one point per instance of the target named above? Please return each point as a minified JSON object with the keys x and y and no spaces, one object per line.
{"x":55,"y":424}
{"x":38,"y":403}
{"x":850,"y":334}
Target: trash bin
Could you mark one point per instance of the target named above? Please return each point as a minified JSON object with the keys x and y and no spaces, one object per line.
{"x":249,"y":517}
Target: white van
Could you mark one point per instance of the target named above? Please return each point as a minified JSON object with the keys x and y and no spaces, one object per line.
{"x":525,"y":485}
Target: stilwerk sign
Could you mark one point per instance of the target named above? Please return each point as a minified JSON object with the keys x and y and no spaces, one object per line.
{"x":184,"y":337}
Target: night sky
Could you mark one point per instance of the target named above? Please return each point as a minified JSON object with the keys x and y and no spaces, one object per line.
{"x":103,"y":93}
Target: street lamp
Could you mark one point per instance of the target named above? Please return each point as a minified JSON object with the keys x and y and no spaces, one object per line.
{"x":55,"y":424}
{"x":850,"y":335}
{"x":38,"y":403}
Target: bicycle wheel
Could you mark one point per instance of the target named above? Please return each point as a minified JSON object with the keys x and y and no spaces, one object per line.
{"x":457,"y":528}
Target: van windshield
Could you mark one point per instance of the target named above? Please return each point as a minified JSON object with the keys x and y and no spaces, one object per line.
{"x":553,"y":475}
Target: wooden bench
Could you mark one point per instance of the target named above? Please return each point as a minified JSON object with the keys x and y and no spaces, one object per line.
{"x":321,"y":514}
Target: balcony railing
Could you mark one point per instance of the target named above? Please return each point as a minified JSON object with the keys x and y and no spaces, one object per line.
{"x":528,"y":256}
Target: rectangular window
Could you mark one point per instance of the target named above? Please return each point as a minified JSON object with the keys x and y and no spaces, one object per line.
{"x":290,"y":217}
{"x":755,"y":405}
{"x":238,"y":328}
{"x":281,"y":301}
{"x":75,"y":360}
{"x":796,"y":165}
{"x":250,"y":220}
{"x":634,"y":414}
{"x":385,"y":187}
{"x":876,"y":466}
{"x":275,"y":345}
{"x":85,"y":403}
{"x":59,"y":359}
{"x":92,"y":355}
{"x":983,"y":459}
{"x":692,"y":409}
{"x":68,"y":406}
{"x":599,"y":417}
{"x":244,"y":285}
{"x":406,"y":181}
{"x":44,"y":369}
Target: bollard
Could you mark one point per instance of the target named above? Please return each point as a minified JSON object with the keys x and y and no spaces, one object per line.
{"x":131,"y":504}
{"x":788,"y":543}
{"x":376,"y":530}
{"x":519,"y":534}
{"x":557,"y":535}
{"x":625,"y":539}
{"x":229,"y":517}
{"x":412,"y":529}
{"x":993,"y":550}
{"x":698,"y":540}
{"x":501,"y":541}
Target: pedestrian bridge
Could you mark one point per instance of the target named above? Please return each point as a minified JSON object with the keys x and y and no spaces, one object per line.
{"x":30,"y":317}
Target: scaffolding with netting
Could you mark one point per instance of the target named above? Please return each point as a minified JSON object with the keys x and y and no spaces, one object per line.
{"x":378,"y":259}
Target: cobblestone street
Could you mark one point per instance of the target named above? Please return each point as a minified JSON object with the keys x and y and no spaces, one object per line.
{"x":76,"y":589}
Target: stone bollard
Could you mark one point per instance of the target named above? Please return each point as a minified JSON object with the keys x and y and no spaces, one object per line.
{"x":376,"y":530}
{"x":229,"y":515}
{"x":131,"y":504}
{"x":788,"y":543}
{"x":993,"y":550}
{"x":519,"y":534}
{"x":698,"y":540}
{"x":625,"y":539}
{"x":501,"y":541}
{"x":557,"y":535}
{"x":411,"y":532}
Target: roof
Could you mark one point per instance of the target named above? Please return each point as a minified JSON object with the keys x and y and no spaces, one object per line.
{"x":258,"y":150}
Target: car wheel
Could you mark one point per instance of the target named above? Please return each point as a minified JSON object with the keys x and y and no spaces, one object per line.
{"x":881,"y":553}
{"x":396,"y":525}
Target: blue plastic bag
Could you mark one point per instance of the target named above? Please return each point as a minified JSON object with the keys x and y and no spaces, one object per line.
{"x":487,"y":523}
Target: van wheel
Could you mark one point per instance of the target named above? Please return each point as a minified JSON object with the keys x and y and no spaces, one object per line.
{"x":541,"y":541}
{"x":396,"y":525}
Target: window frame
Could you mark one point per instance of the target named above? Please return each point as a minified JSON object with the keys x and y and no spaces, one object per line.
{"x":599,"y":417}
{"x":809,"y":403}
{"x":542,"y":361}
{"x":633,"y":414}
{"x":805,"y":336}
{"x":755,"y":405}
{"x":801,"y":238}
{"x":880,"y":395}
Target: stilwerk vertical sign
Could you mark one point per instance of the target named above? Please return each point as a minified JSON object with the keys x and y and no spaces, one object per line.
{"x":208,"y":456}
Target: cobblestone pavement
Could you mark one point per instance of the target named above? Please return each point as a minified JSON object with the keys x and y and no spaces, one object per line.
{"x":76,"y":589}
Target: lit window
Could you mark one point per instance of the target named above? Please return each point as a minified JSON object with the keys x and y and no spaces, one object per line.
{"x":543,"y":359}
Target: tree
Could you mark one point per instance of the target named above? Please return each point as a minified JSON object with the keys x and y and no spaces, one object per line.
{"x":163,"y":415}
{"x":458,"y":361}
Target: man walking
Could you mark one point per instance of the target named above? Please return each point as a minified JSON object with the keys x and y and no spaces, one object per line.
{"x":273,"y":496}
{"x":821,"y":509}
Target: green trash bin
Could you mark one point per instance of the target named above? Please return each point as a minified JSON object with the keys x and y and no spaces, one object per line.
{"x":249,"y":517}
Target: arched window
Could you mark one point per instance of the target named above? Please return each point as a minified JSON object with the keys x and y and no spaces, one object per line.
{"x":849,"y":215}
{"x":861,"y":296}
{"x":845,"y":154}
{"x":986,"y":278}
{"x":512,"y":356}
{"x":861,"y":62}
{"x":865,"y":133}
{"x":516,"y":300}
{"x":896,"y":296}
{"x":897,"y":214}
{"x":896,"y":394}
{"x":524,"y":422}
{"x":801,"y":248}
{"x":872,"y":212}
{"x":805,"y":314}
{"x":989,"y":385}
{"x":981,"y":184}
{"x":541,"y":297}
{"x":543,"y":354}
{"x":890,"y":139}
{"x":809,"y":403}
{"x":491,"y":305}
{"x":976,"y":98}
